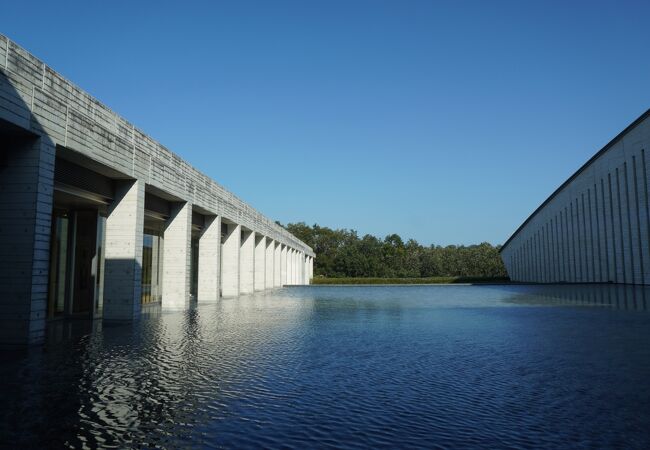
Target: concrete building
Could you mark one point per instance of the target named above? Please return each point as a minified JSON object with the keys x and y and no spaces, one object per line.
{"x":97,"y":218}
{"x":595,"y":228}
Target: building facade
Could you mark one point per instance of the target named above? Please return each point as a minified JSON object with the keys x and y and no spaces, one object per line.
{"x":98,"y":219}
{"x":595,"y":227}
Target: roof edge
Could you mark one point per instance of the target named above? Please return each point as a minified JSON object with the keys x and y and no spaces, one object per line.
{"x":582,"y":168}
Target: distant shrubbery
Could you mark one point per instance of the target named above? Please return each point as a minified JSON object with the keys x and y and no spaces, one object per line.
{"x":430,"y":280}
{"x":342,"y":253}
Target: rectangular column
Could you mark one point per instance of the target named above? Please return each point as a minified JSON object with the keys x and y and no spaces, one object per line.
{"x":26,"y":185}
{"x":297,"y":259}
{"x":311,"y":268}
{"x":177,"y":257}
{"x":291,"y":267}
{"x":270,"y":256}
{"x":295,"y":268}
{"x":260,"y":262}
{"x":123,"y":254}
{"x":230,"y":261}
{"x":247,"y":263}
{"x":277,"y":281}
{"x":209,"y":248}
{"x":283,"y":265}
{"x":305,"y":269}
{"x":299,"y":266}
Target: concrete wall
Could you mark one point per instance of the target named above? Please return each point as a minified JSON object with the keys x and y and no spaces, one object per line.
{"x":595,"y":227}
{"x":38,"y":99}
{"x":43,"y":117}
{"x":25,"y":215}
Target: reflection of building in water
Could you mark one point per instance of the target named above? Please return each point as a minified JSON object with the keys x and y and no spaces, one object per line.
{"x":617,"y":296}
{"x":596,"y":226}
{"x":97,"y":218}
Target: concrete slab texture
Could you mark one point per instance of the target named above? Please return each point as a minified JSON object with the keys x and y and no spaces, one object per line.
{"x":97,"y":218}
{"x":595,"y":227}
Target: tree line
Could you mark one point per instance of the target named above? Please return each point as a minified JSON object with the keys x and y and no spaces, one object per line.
{"x":342,"y":253}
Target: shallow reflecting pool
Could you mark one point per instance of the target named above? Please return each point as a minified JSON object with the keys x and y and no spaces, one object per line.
{"x":412,"y":366}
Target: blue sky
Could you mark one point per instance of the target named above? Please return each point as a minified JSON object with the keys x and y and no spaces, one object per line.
{"x":447,"y":122}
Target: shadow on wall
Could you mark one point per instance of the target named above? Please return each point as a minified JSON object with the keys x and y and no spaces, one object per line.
{"x":27,"y":163}
{"x":122,"y":300}
{"x":26,"y":185}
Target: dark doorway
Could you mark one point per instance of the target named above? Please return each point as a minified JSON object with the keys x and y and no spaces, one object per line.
{"x":76,"y":261}
{"x":84,"y":256}
{"x":194,"y":273}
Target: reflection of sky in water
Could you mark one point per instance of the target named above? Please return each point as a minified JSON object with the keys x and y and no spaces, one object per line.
{"x":412,"y":366}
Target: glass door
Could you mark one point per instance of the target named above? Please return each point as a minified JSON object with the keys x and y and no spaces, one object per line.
{"x":83,"y":294}
{"x":59,"y":260}
{"x":75,"y":284}
{"x":194,"y":272}
{"x":152,"y":258}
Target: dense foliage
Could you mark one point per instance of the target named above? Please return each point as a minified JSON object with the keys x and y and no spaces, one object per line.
{"x":342,"y":253}
{"x":427,"y":280}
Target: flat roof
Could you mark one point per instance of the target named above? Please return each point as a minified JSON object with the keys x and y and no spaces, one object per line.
{"x":600,"y":152}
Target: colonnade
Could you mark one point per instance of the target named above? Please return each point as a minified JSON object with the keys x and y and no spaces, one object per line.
{"x":98,"y":218}
{"x":232,"y":259}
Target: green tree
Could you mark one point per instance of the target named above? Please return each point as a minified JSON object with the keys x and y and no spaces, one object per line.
{"x":342,"y":253}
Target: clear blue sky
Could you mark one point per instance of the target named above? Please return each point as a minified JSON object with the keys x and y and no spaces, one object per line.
{"x":448,"y":122}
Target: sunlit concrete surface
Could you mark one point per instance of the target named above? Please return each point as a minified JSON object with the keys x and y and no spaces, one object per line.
{"x":98,"y":219}
{"x":595,"y":226}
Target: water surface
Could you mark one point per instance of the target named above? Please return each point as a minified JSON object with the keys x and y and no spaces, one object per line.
{"x":351,"y":367}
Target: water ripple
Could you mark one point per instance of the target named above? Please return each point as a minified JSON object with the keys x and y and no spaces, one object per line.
{"x":382,"y":367}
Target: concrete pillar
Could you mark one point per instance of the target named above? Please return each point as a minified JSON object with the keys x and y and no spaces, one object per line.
{"x":305,"y":269}
{"x":289,"y":256}
{"x":298,"y":278}
{"x":311,"y":268}
{"x":247,"y":263}
{"x":295,"y":267}
{"x":308,"y":268}
{"x":270,"y":264}
{"x":298,"y":268}
{"x":283,"y":265}
{"x":270,"y":255}
{"x":177,"y":257}
{"x":291,"y":267}
{"x":260,"y":262}
{"x":230,"y":261}
{"x":277,"y":280}
{"x":209,"y":248}
{"x":123,"y":253}
{"x":26,"y":185}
